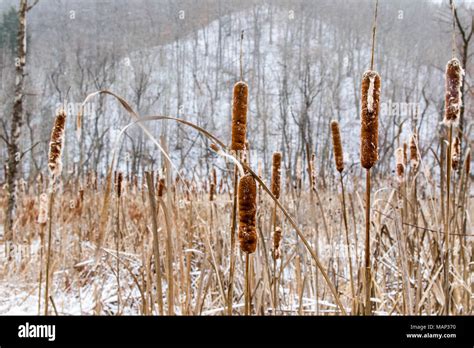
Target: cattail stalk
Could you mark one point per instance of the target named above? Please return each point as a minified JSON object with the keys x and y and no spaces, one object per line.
{"x":446,"y":223}
{"x":339,"y":159}
{"x":118,"y":183}
{"x":369,"y":156}
{"x":276,"y":188}
{"x":42,"y":221}
{"x":169,"y":245}
{"x":156,"y":245}
{"x":239,"y":131}
{"x":453,"y":104}
{"x":55,"y":168}
{"x":369,"y":148}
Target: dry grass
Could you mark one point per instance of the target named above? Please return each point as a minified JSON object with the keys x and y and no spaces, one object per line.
{"x":201,"y":243}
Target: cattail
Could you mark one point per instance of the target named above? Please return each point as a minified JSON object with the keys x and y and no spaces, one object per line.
{"x":43,"y":209}
{"x":405,"y":155}
{"x":212,"y":191}
{"x":414,"y":155}
{"x":239,"y":116}
{"x":456,"y":153}
{"x":161,"y":187}
{"x":247,"y":214}
{"x":453,"y":101}
{"x":369,"y":118}
{"x":56,"y":144}
{"x":276,"y":242}
{"x":119,"y":184}
{"x":400,"y":166}
{"x":214,"y":177}
{"x":276,"y":174}
{"x":336,"y":141}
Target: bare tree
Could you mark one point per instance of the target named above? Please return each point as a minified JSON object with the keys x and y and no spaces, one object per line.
{"x":14,"y":154}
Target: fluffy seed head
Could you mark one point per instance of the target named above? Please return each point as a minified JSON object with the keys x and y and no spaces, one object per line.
{"x":43,"y":209}
{"x":56,"y":144}
{"x":247,"y":214}
{"x":400,"y":166}
{"x":369,"y":136}
{"x":239,"y":115}
{"x":337,"y":144}
{"x":276,"y":174}
{"x":456,"y":153}
{"x":453,"y":101}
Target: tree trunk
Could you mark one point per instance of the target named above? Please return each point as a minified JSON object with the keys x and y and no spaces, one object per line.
{"x":16,"y":123}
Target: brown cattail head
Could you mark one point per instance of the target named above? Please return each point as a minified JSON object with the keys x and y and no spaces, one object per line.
{"x":400,"y":166}
{"x":212,"y":191}
{"x":276,"y":242}
{"x":369,"y":134}
{"x":56,"y":144}
{"x":119,"y":184}
{"x":456,"y":154}
{"x":239,"y":115}
{"x":247,"y":214}
{"x":405,"y":155}
{"x":161,"y":187}
{"x":453,"y":100}
{"x":276,"y":174}
{"x":43,"y":209}
{"x":336,"y":141}
{"x":214,"y":176}
{"x":414,"y":155}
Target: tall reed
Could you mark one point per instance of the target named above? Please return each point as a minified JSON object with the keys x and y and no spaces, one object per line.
{"x":276,"y":188}
{"x":154,"y":211}
{"x":369,"y":148}
{"x":453,"y":103}
{"x":42,"y":221}
{"x":239,"y":131}
{"x":339,"y":159}
{"x":55,"y":166}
